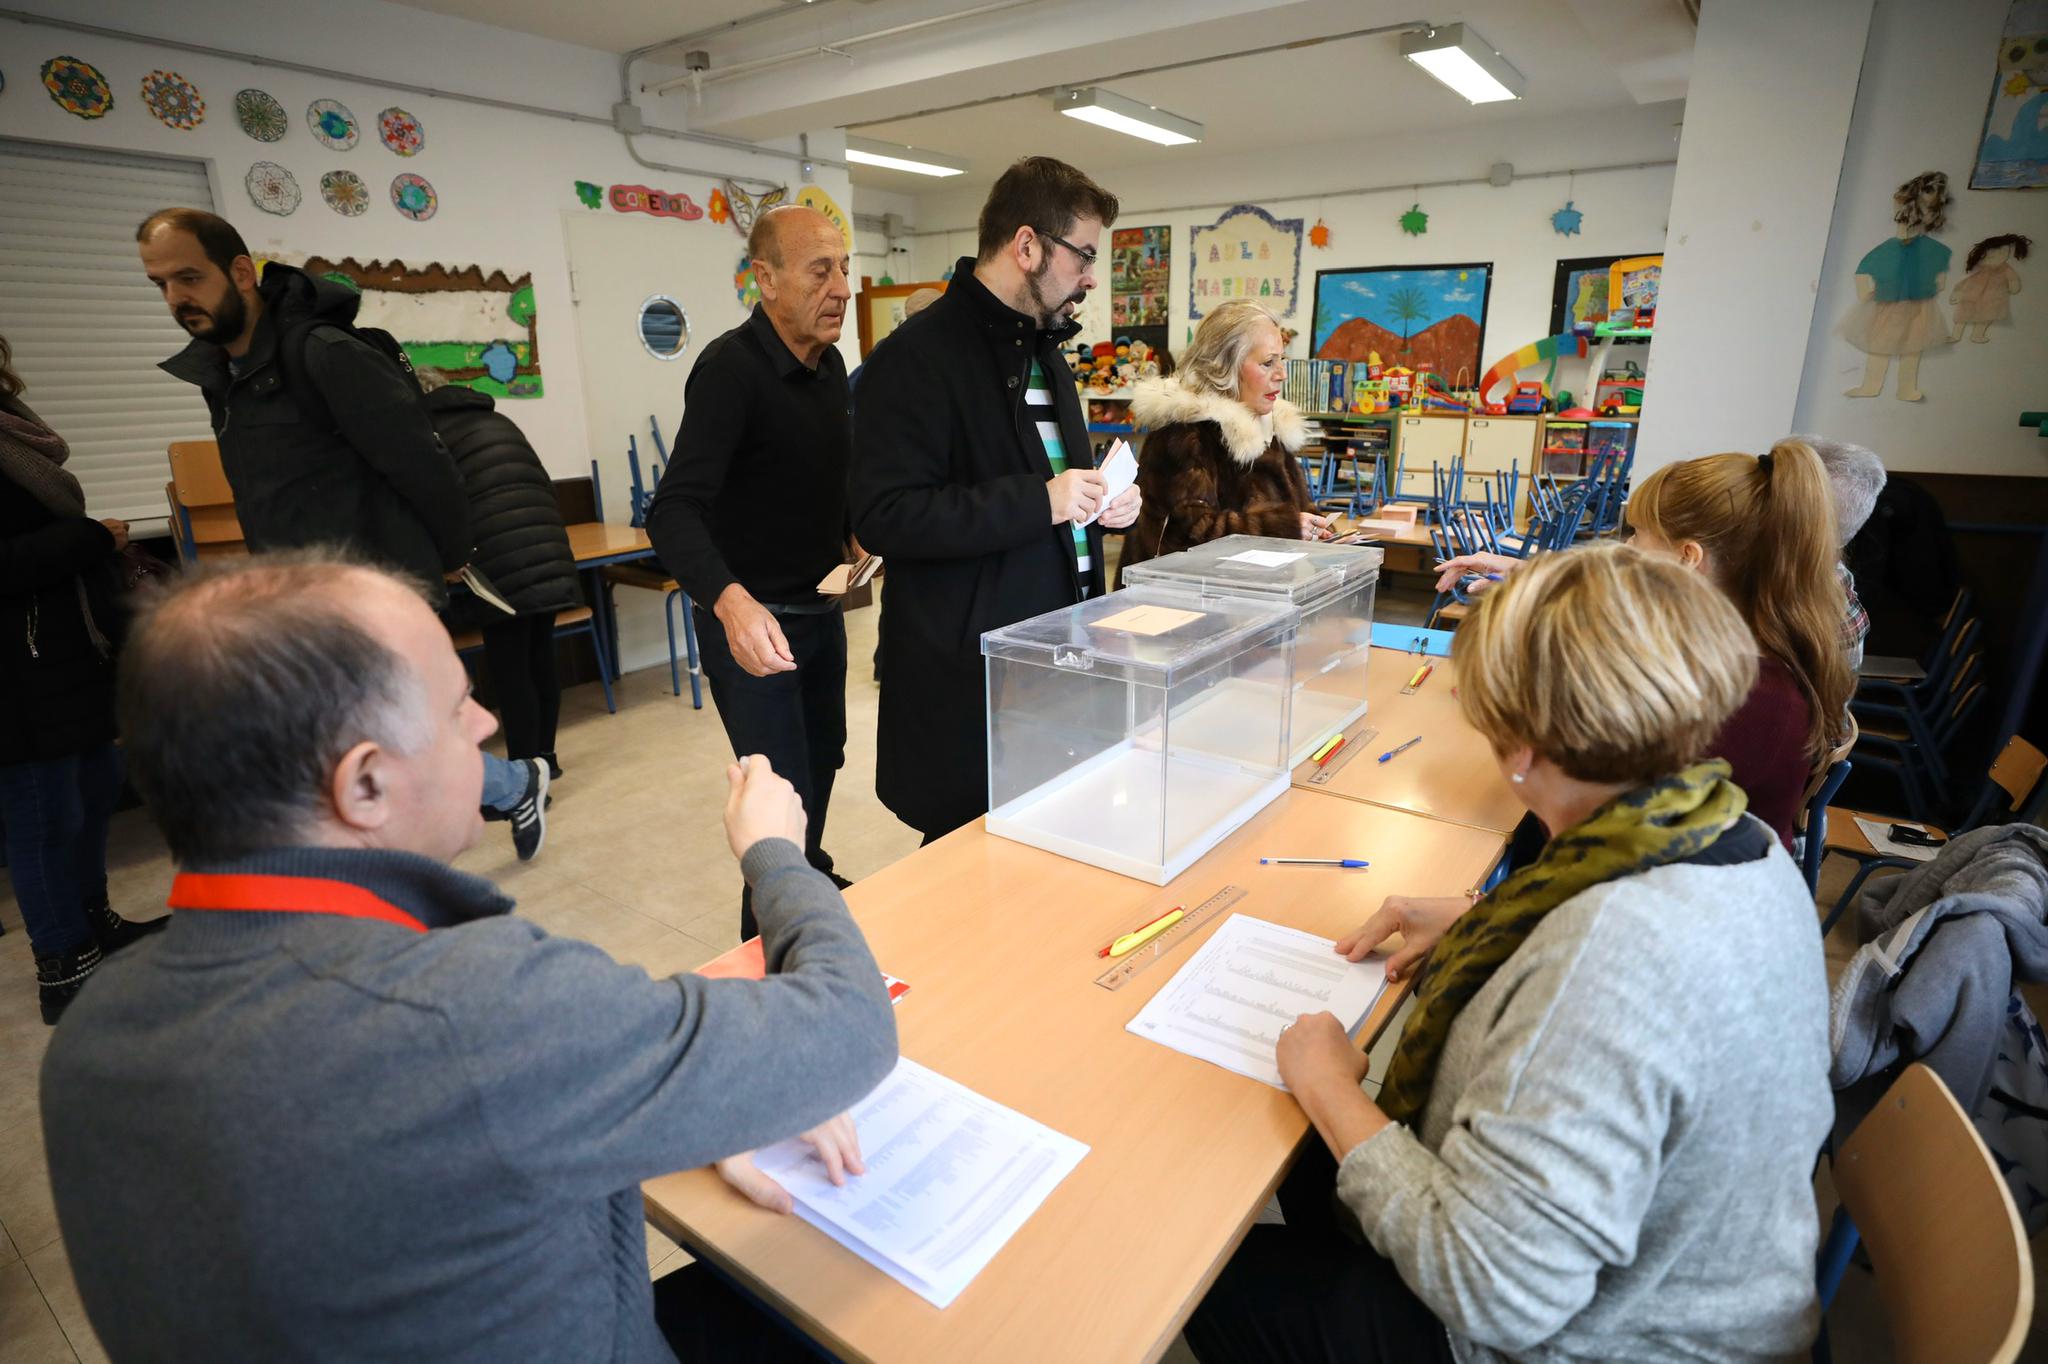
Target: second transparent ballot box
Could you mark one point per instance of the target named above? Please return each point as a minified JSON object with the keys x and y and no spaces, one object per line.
{"x":1333,"y":587}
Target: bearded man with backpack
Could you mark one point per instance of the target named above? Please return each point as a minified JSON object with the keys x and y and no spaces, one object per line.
{"x":323,"y":430}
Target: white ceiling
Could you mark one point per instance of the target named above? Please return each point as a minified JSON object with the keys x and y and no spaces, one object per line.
{"x":1579,"y":57}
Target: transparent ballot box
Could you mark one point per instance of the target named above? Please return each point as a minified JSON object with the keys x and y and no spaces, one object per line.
{"x":1331,"y":585}
{"x":1135,"y":730}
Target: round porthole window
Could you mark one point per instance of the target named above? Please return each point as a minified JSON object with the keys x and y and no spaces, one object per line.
{"x":664,"y":327}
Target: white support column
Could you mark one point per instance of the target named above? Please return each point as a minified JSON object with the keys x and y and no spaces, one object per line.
{"x":1766,"y":124}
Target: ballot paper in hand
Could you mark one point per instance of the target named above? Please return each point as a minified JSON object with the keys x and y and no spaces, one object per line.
{"x":951,"y":1176}
{"x":1121,"y":470}
{"x":1228,"y":1004}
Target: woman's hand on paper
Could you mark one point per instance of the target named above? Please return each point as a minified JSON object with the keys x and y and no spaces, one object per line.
{"x":1417,"y":921}
{"x":1314,"y":527}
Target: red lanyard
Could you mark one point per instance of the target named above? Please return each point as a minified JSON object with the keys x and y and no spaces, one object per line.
{"x":285,"y":895}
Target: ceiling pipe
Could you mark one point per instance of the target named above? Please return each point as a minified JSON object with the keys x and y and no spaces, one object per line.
{"x":837,"y":48}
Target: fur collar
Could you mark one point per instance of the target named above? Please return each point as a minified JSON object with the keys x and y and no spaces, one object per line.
{"x":1162,"y":402}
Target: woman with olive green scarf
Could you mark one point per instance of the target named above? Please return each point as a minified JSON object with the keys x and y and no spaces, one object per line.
{"x":1596,"y":1136}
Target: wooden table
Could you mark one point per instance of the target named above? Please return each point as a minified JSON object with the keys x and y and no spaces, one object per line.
{"x":1451,"y":775}
{"x":997,"y":942}
{"x":596,"y":544}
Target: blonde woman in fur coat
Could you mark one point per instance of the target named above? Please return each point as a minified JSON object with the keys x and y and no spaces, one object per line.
{"x":1220,"y":457}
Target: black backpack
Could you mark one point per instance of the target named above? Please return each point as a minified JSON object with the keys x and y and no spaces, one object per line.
{"x":291,"y":359}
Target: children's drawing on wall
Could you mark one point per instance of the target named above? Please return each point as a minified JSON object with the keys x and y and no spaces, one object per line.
{"x":2013,"y":152}
{"x":1985,"y":294}
{"x":1418,"y":316}
{"x":476,"y":326}
{"x":1898,"y":287}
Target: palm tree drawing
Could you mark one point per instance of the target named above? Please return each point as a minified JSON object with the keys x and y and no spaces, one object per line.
{"x":1408,"y":306}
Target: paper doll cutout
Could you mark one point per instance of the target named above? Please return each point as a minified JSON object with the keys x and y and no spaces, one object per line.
{"x":1898,"y":288}
{"x":1985,"y":295}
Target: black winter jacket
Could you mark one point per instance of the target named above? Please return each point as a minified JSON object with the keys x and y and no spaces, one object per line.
{"x":521,"y":545}
{"x":378,"y":481}
{"x":948,"y":486}
{"x":56,"y":687}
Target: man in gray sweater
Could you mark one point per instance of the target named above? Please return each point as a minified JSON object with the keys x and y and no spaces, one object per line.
{"x":348,"y":1105}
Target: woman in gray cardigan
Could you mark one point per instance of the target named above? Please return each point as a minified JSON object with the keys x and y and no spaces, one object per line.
{"x":1596,"y":1136}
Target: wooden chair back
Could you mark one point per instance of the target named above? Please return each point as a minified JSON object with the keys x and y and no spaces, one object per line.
{"x":202,"y":498}
{"x":2017,"y":770}
{"x":1944,"y":1236}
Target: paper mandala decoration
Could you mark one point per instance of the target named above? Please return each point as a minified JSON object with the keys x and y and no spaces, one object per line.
{"x":743,"y":281}
{"x":1319,"y":236}
{"x":401,"y":132}
{"x":345,"y":193}
{"x":1565,"y":222}
{"x":414,"y":197}
{"x":1415,"y":222}
{"x":78,"y":87}
{"x":590,"y":194}
{"x":174,"y":100}
{"x":271,"y":188}
{"x":332,"y":124}
{"x":260,"y":116}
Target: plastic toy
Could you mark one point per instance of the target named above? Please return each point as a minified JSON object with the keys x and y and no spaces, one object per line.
{"x":1551,"y":348}
{"x":1531,"y":396}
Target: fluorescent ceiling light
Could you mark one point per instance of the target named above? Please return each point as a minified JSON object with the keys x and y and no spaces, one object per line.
{"x":890,"y":156}
{"x":1466,"y":62}
{"x":1107,"y":110}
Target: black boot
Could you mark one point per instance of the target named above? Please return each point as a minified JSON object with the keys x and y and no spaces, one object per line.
{"x":59,"y":979}
{"x":554,"y":768}
{"x":113,"y":932}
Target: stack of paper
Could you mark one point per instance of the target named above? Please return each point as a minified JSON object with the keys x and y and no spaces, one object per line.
{"x":1251,"y":979}
{"x":847,"y":577}
{"x":1879,"y":832}
{"x":950,"y":1178}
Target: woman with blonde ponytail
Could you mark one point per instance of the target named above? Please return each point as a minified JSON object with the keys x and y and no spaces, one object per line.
{"x":1762,"y":529}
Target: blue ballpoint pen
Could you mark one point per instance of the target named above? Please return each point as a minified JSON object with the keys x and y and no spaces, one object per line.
{"x":1313,"y":862}
{"x":1402,"y":749}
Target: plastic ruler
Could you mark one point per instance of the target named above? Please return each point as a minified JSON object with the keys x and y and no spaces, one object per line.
{"x":1353,"y":746}
{"x":1119,"y":975}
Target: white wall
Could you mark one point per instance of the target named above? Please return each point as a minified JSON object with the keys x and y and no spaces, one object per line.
{"x":1624,"y":213}
{"x":505,"y":180}
{"x":1926,"y":78}
{"x":1766,"y":114}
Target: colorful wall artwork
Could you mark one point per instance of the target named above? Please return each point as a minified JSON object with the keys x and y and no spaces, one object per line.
{"x":78,"y":87}
{"x":333,"y":124}
{"x":810,"y":196}
{"x":660,"y":203}
{"x":746,"y":207}
{"x":413,"y":197}
{"x":477,"y":326}
{"x":174,"y":100}
{"x":1412,"y":315}
{"x":260,"y":115}
{"x":1578,"y":297}
{"x":1246,"y":253}
{"x":1139,"y":261}
{"x":401,"y":132}
{"x":272,"y":188}
{"x":2013,"y":152}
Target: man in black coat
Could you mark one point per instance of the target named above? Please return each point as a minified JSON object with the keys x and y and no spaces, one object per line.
{"x":355,"y":464}
{"x":973,"y":478}
{"x":369,"y":473}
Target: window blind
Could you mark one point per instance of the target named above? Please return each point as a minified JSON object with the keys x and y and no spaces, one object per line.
{"x":86,"y":326}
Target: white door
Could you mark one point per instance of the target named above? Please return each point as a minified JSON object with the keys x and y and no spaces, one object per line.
{"x":617,"y":262}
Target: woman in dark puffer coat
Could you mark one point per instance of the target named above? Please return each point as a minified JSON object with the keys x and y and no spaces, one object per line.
{"x":1220,"y":457}
{"x":522,"y":549}
{"x":60,"y":773}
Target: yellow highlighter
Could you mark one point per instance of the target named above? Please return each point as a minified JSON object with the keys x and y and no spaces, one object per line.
{"x":1131,"y":942}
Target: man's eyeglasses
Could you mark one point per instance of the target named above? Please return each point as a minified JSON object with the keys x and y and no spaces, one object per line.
{"x":1087,"y":257}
